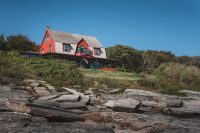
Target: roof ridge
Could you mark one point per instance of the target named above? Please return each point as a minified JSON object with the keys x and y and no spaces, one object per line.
{"x":72,"y":33}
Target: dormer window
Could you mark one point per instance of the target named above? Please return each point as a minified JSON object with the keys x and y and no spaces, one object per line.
{"x":97,"y":51}
{"x":66,"y":48}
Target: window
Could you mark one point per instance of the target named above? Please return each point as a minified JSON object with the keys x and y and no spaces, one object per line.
{"x":81,"y":49}
{"x":97,"y":51}
{"x":47,"y":38}
{"x":42,"y":51}
{"x":66,"y":48}
{"x":50,"y":48}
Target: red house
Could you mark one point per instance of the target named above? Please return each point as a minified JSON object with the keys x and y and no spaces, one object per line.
{"x":86,"y":50}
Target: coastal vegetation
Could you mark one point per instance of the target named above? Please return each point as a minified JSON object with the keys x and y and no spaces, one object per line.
{"x":153,"y":70}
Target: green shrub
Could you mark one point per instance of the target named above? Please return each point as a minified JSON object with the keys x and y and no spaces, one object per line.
{"x":12,"y":66}
{"x":171,"y":77}
{"x":187,"y":77}
{"x":56,"y":72}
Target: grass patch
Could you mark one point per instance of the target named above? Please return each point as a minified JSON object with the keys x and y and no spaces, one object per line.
{"x":95,"y":73}
{"x":108,"y":80}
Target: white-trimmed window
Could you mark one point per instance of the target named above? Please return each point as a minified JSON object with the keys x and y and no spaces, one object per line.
{"x":66,"y":47}
{"x":97,"y":51}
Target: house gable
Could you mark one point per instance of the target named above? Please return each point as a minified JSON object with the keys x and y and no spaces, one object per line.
{"x":48,"y":44}
{"x":82,"y":43}
{"x":83,"y":49}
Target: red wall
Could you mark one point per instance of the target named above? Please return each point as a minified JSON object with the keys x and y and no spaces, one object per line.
{"x":82,"y":43}
{"x":45,"y":45}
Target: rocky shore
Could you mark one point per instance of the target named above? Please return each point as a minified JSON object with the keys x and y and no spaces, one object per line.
{"x":39,"y":107}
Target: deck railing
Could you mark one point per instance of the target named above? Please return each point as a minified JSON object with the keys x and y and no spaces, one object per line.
{"x":85,"y":52}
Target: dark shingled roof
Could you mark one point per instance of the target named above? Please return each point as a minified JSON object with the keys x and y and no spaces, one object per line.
{"x":65,"y":37}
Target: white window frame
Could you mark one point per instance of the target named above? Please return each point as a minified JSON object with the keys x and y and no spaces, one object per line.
{"x":66,"y":49}
{"x":97,"y":51}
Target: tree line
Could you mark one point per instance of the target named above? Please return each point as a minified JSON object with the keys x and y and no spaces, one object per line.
{"x":17,"y":42}
{"x":136,"y":60}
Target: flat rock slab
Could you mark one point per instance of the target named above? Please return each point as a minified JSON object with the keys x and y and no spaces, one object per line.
{"x":48,"y":97}
{"x":114,"y":91}
{"x":34,"y":84}
{"x":136,"y":92}
{"x":51,"y":87}
{"x":190,"y":109}
{"x":124,"y":105}
{"x":83,"y":98}
{"x":133,"y":121}
{"x":42,"y":91}
{"x":67,"y":98}
{"x":73,"y":105}
{"x":149,"y":103}
{"x":21,"y":123}
{"x":48,"y":103}
{"x":185,"y":112}
{"x":191,"y":93}
{"x":5,"y":88}
{"x":172,"y":101}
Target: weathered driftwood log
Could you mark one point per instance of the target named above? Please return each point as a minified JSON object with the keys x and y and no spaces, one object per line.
{"x":51,"y":113}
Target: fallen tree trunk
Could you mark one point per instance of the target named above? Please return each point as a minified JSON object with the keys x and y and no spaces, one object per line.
{"x":52,"y":114}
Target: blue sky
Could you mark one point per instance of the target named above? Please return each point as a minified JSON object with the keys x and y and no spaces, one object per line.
{"x":171,"y":25}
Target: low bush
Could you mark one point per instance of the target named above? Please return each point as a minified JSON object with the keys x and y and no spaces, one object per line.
{"x":171,"y":77}
{"x":56,"y":72}
{"x":12,"y":66}
{"x":185,"y":77}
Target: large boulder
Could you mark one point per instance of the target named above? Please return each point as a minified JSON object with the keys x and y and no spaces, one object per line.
{"x":124,"y":105}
